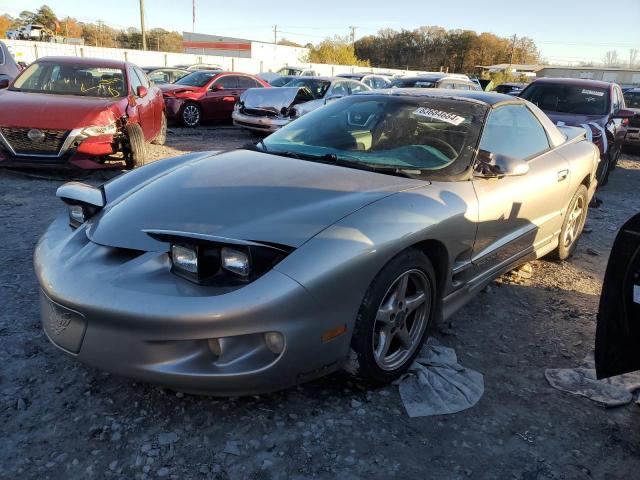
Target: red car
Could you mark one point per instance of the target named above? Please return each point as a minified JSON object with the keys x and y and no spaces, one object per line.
{"x":206,"y":95}
{"x":77,"y":111}
{"x":597,"y":106}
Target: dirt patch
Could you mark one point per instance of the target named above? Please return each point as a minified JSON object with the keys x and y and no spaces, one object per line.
{"x":61,"y":419}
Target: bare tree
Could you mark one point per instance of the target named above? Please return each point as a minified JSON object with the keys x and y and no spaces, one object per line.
{"x":633,"y":56}
{"x":611,"y":58}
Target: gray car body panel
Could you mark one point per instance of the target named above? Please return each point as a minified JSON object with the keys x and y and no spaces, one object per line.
{"x":343,"y":225}
{"x":8,"y":67}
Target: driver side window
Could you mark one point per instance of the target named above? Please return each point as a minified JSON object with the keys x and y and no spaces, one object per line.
{"x":338,"y":90}
{"x":134,"y":82}
{"x":514,"y":131}
{"x":227,"y":82}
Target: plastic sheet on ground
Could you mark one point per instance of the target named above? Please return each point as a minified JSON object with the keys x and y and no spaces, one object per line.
{"x":609,"y":392}
{"x":436,"y":384}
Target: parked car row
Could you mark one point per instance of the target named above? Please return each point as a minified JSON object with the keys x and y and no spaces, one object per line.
{"x":135,"y":106}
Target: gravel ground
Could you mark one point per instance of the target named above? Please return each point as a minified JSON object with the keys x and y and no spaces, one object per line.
{"x":61,"y":419}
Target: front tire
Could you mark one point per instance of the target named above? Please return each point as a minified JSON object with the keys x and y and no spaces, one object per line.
{"x":394,"y":318}
{"x":137,"y":150}
{"x":572,"y":225}
{"x":191,"y":115}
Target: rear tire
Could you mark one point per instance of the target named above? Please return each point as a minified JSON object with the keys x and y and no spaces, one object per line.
{"x":394,"y":318}
{"x":572,"y":225}
{"x":161,"y":138}
{"x":137,"y":154}
{"x":191,"y":115}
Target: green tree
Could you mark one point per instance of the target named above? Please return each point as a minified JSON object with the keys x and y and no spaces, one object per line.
{"x":338,"y":51}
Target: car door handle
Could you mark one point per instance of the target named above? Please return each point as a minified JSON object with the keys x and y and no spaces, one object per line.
{"x":562,"y":175}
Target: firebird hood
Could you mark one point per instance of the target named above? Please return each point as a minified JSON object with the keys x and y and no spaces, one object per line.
{"x":64,"y":112}
{"x":241,"y":195}
{"x":575,"y":120}
{"x":274,"y":99}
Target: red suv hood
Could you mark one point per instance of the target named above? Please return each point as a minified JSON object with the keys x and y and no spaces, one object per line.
{"x":63,"y":112}
{"x":576,"y":120}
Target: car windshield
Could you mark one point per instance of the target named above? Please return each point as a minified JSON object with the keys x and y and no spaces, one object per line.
{"x":632,"y":99}
{"x":196,"y":79}
{"x":279,"y":82}
{"x":64,"y":79}
{"x":411,"y":83}
{"x":581,"y":100}
{"x":289,"y":71}
{"x":420,"y":136}
{"x":317,"y":87}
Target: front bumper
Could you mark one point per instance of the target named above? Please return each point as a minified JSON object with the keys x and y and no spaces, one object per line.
{"x":259,"y":124}
{"x":173,"y":106}
{"x":125,"y":313}
{"x":632,"y":137}
{"x":77,"y":152}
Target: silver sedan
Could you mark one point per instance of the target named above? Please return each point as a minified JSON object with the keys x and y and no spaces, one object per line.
{"x":339,"y":240}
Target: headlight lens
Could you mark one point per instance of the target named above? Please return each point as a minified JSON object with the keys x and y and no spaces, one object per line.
{"x":236,"y":262}
{"x":80,"y":213}
{"x":184,"y":258}
{"x":97,"y":130}
{"x":222,"y":265}
{"x":76,"y":215}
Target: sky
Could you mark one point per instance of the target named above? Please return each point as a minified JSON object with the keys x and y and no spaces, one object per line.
{"x":566,"y":31}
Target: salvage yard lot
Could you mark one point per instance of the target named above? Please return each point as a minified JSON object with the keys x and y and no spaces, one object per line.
{"x":61,"y":419}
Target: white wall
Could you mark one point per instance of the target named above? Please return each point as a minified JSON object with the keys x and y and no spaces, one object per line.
{"x":265,"y":57}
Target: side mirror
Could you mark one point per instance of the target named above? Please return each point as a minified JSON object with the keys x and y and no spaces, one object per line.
{"x":141,"y":91}
{"x":496,"y":165}
{"x":4,"y":83}
{"x":216,"y":88}
{"x":622,"y":113}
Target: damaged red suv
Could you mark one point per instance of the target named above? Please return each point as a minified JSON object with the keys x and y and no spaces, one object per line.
{"x":64,"y":111}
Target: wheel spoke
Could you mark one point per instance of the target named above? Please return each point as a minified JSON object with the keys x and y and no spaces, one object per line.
{"x":384,"y":342}
{"x":402,"y":288}
{"x":404,"y":337}
{"x":414,"y":301}
{"x":384,"y":315}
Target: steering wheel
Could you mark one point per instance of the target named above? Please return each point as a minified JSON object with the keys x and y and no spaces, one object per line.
{"x":447,"y":149}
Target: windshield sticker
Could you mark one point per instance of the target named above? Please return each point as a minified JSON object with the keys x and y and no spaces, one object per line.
{"x":451,"y":118}
{"x":593,"y":92}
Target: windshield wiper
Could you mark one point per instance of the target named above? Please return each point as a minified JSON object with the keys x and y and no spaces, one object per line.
{"x":334,"y":159}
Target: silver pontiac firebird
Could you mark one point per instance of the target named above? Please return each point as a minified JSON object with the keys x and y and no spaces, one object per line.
{"x":339,"y":240}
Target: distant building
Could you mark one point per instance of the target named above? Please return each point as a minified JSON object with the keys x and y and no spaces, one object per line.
{"x":202,"y":44}
{"x":524,"y":69}
{"x":625,"y":77}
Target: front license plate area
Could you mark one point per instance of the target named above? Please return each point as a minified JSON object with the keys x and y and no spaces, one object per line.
{"x":63,"y":326}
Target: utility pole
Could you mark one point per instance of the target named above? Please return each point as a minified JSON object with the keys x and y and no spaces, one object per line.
{"x":513,"y":47}
{"x":193,"y":18}
{"x":275,"y":34}
{"x":353,"y":35}
{"x":144,"y":34}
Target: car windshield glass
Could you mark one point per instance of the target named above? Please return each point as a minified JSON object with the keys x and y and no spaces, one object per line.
{"x":317,"y":87}
{"x":632,"y":99}
{"x":196,"y":79}
{"x":411,"y":83}
{"x":289,"y":71}
{"x":64,"y":79}
{"x":422,"y":136}
{"x":581,"y":100}
{"x":279,"y":82}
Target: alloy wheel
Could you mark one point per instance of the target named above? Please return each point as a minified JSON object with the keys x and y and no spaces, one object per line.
{"x":401,"y":319}
{"x":574,"y":223}
{"x":191,"y":115}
